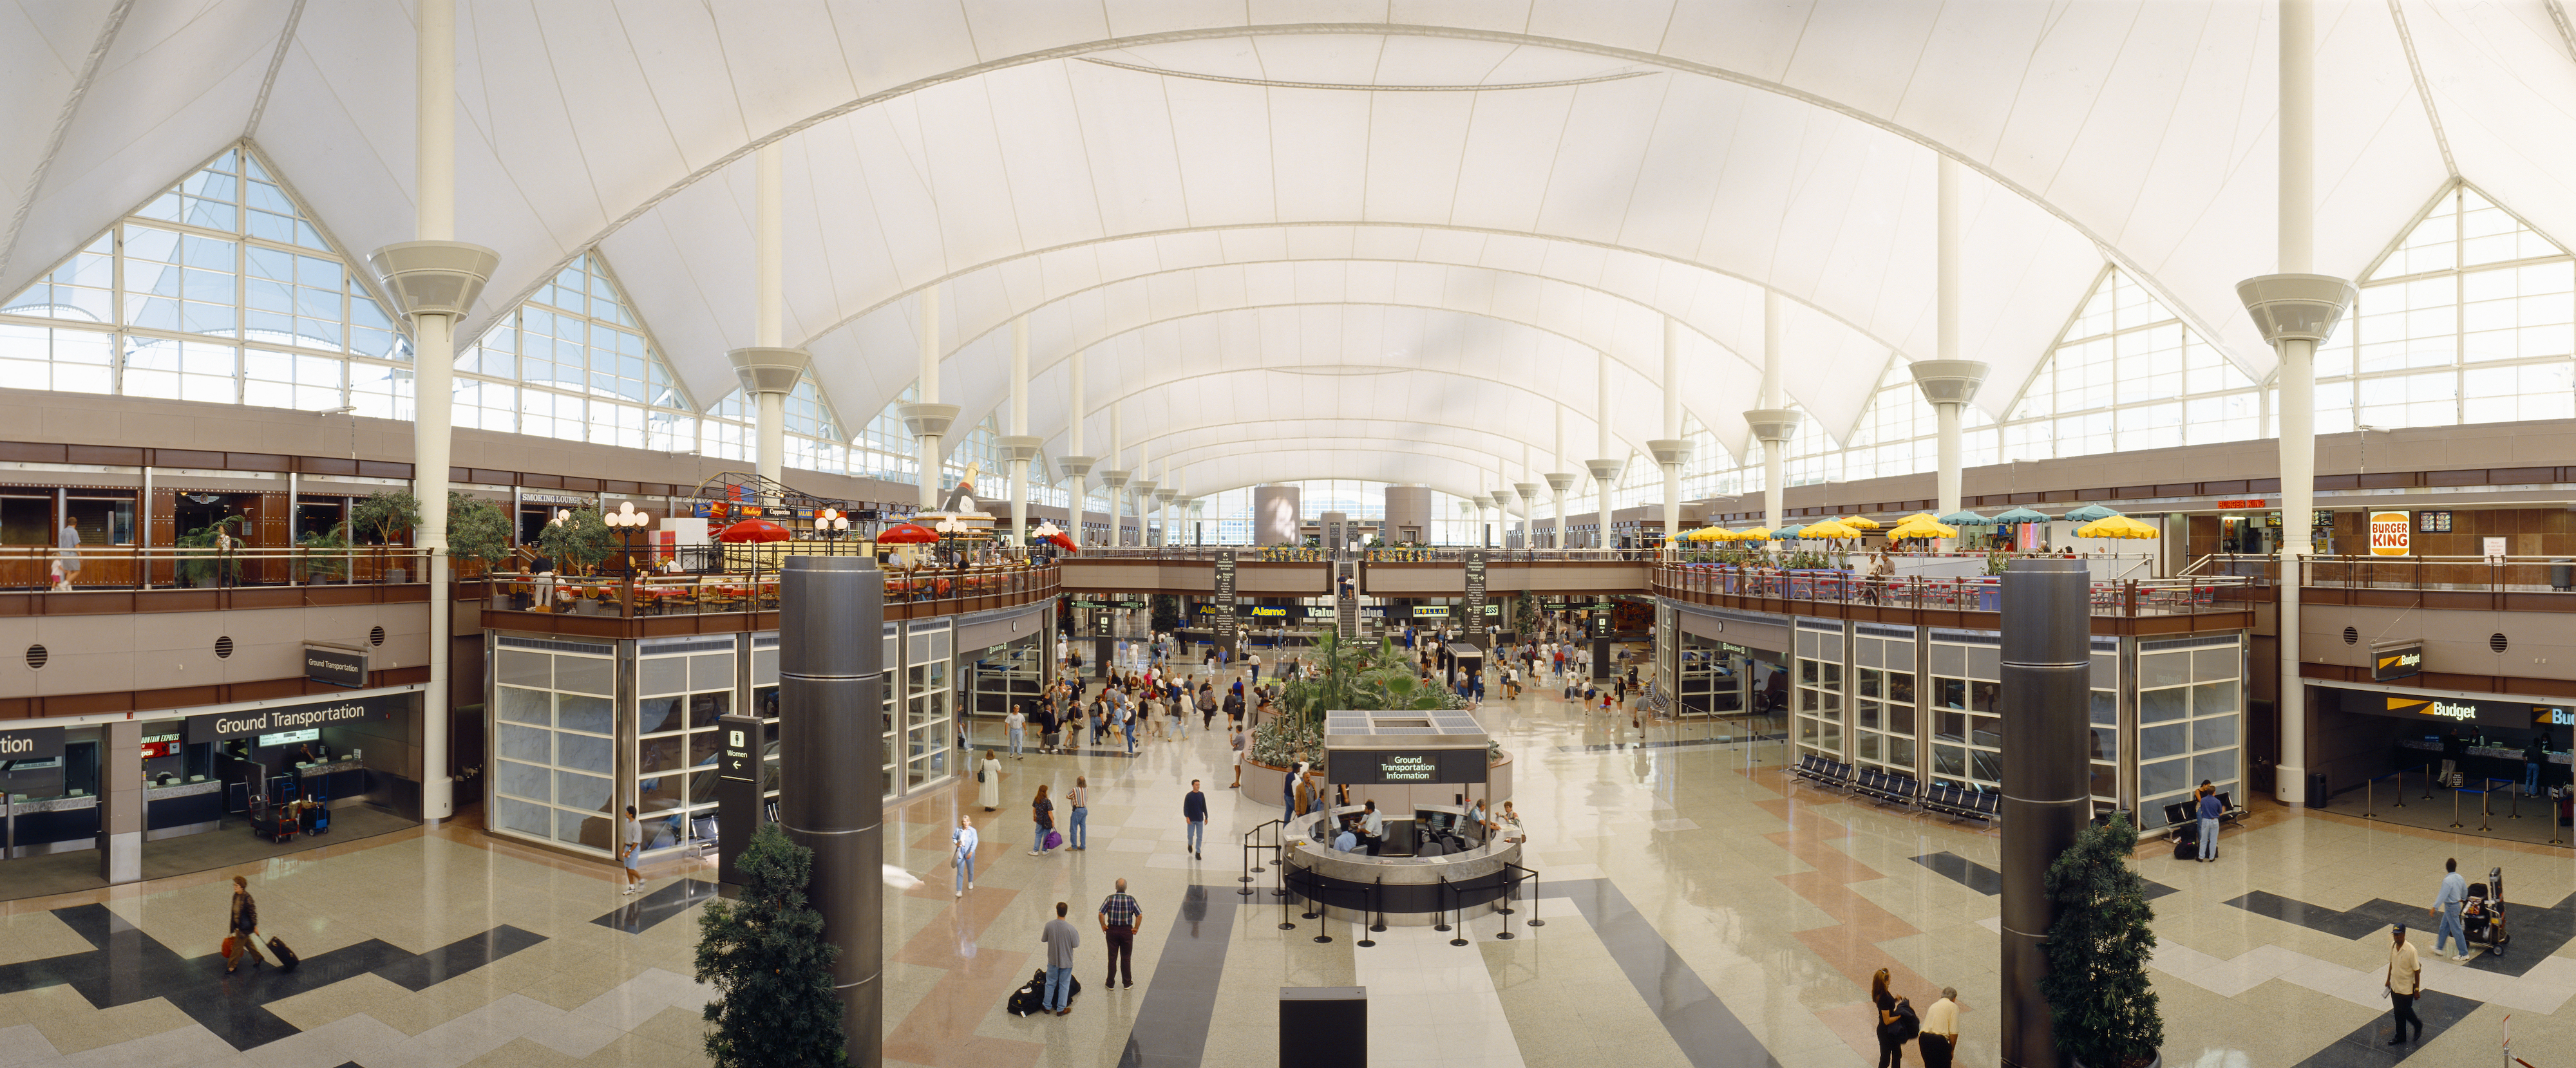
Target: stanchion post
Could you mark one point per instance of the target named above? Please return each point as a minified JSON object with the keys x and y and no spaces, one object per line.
{"x":2455,"y":809}
{"x":2369,"y":799}
{"x":1377,"y":899}
{"x":2486,"y":805}
{"x":1534,"y":920}
{"x":2428,"y":780}
{"x":1441,"y":899}
{"x":1511,"y":886}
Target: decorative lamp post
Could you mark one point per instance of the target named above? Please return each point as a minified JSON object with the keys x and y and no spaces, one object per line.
{"x":625,"y":521}
{"x":832,"y":523}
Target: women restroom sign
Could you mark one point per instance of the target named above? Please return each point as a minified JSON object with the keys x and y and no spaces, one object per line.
{"x":2390,"y":534}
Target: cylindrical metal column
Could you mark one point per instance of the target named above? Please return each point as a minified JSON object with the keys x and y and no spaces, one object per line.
{"x":2047,"y":665}
{"x":831,"y":614}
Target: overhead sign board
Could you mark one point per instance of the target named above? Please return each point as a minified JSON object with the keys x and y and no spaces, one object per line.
{"x":2391,"y":533}
{"x":30,"y":743}
{"x":2401,"y":660}
{"x":335,"y":665}
{"x":2438,"y":712}
{"x":1406,"y":767}
{"x":220,"y":726}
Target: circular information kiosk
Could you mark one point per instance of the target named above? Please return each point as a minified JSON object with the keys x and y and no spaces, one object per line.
{"x":1433,"y":860}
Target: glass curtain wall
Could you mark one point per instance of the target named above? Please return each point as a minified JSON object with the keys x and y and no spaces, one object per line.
{"x":1883,"y":711}
{"x":555,"y":742}
{"x":221,"y":288}
{"x":1966,"y":669}
{"x":2190,"y":720}
{"x":1819,"y":698}
{"x":929,"y":702}
{"x":681,"y":686}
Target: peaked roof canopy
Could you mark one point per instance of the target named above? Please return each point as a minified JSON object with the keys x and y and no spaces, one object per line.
{"x":1291,"y":241}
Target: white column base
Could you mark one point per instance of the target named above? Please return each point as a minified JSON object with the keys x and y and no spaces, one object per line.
{"x":121,"y":859}
{"x":2290,"y":785}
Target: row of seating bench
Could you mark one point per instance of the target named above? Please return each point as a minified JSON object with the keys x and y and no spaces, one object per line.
{"x":1901,"y":789}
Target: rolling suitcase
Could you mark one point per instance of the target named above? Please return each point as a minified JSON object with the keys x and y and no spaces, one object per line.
{"x":286,"y":958}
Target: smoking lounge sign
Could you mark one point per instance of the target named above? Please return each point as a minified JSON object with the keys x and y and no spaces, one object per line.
{"x":2389,"y":534}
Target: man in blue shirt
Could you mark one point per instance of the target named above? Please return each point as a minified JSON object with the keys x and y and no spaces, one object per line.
{"x":2210,"y":810}
{"x":2447,"y":907}
{"x":1346,"y":841}
{"x":1194,"y":811}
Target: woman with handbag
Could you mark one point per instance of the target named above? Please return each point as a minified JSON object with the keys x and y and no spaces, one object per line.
{"x":242,"y":928}
{"x":1042,"y":813}
{"x":988,"y":782}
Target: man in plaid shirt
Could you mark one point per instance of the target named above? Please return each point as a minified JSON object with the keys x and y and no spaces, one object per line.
{"x":1119,"y":917}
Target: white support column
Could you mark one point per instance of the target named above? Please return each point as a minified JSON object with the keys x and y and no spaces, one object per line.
{"x":434,"y":281}
{"x":2296,"y":311}
{"x":1948,"y":382}
{"x":1142,"y":486}
{"x":769,"y":371}
{"x":1672,"y":450}
{"x":1114,"y":478}
{"x":1607,"y":468}
{"x":1774,"y":423}
{"x":927,"y":419}
{"x":1560,"y":480}
{"x":1076,"y":465}
{"x":1018,"y":447}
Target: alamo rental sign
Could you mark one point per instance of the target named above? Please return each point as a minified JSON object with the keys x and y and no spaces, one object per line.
{"x":2390,"y":533}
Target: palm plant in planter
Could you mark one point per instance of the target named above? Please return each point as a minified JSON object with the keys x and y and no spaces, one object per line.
{"x":2099,"y":999}
{"x":1344,"y":675}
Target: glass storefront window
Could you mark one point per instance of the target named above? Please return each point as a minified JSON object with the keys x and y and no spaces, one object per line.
{"x":554,"y":746}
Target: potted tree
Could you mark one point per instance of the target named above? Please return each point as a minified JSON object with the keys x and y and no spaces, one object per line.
{"x":577,"y":543}
{"x":766,"y":956}
{"x":388,"y":516}
{"x":2099,"y":998}
{"x":478,"y":534}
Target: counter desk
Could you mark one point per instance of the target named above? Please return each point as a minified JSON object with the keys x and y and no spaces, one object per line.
{"x":1406,"y":890}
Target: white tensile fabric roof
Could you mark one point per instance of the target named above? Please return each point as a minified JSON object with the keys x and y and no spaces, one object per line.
{"x":1319,"y":239}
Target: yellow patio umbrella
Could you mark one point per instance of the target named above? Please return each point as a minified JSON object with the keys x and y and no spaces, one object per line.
{"x":1830,"y":528}
{"x":1709,"y":534}
{"x":1751,"y":534}
{"x":1921,"y":528}
{"x":2118,"y":526}
{"x":1860,"y":522}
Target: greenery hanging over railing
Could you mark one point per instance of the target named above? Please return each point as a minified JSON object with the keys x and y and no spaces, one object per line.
{"x":1339,"y":676}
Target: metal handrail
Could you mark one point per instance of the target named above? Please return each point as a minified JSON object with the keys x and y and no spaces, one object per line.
{"x":2122,"y":598}
{"x":99,"y":568}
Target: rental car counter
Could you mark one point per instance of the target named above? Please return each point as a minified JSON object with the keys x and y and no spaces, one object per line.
{"x":1433,"y":862}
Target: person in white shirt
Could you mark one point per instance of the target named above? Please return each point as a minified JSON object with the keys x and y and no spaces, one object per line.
{"x":1940,"y":1038}
{"x":964,"y":839}
{"x":1018,"y":723}
{"x":1253,"y":661}
{"x":1373,"y":829}
{"x":2405,"y":983}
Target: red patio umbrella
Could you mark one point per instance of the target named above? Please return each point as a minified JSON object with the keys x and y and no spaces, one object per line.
{"x":1061,"y":541}
{"x":908,"y":534}
{"x":754,"y":530}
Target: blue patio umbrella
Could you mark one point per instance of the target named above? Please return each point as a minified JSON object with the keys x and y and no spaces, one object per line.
{"x":1964,"y":518}
{"x":2089,"y":513}
{"x":2021,"y":515}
